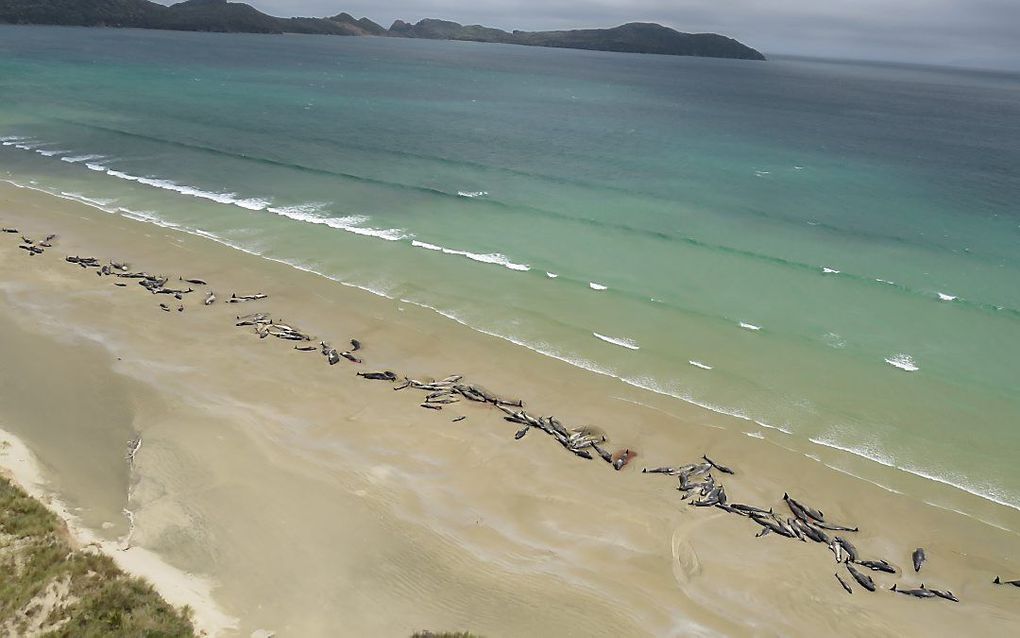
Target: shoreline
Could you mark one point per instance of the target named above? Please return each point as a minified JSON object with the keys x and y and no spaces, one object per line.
{"x":417,"y":349}
{"x":178,"y":588}
{"x":916,"y":475}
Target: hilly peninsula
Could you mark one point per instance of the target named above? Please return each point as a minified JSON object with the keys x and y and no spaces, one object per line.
{"x":237,"y":17}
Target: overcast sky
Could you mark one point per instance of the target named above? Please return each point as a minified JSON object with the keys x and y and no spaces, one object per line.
{"x":984,"y":33}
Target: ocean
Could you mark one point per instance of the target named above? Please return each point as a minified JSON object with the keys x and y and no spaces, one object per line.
{"x":828,"y":250}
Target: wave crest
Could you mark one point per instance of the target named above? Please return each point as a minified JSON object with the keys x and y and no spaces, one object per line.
{"x":903,"y":361}
{"x":311,"y":214}
{"x":487,"y":258}
{"x":623,"y":342}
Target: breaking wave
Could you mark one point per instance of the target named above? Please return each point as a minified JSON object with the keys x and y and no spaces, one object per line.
{"x":903,"y":362}
{"x":311,"y":213}
{"x":184,"y":189}
{"x":630,"y":344}
{"x":74,"y":159}
{"x":486,"y":258}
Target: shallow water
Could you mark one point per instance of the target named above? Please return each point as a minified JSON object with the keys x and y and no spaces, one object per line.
{"x":777,"y":241}
{"x":78,"y":411}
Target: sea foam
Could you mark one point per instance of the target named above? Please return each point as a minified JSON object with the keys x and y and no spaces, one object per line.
{"x":74,"y":159}
{"x":903,"y":362}
{"x":773,"y":427}
{"x":311,"y":213}
{"x":630,"y":344}
{"x":486,"y":258}
{"x":93,"y":201}
{"x":183,"y":189}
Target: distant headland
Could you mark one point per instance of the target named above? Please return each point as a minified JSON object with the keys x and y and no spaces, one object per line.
{"x":237,"y":17}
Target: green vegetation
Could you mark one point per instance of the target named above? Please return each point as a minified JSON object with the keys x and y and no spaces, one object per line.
{"x":220,"y":15}
{"x":49,"y":588}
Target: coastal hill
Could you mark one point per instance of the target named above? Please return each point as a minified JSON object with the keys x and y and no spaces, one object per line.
{"x":237,"y":17}
{"x":192,"y":15}
{"x":635,"y":37}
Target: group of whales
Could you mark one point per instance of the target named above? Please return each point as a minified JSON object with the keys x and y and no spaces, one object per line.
{"x":448,"y":391}
{"x":807,"y":524}
{"x":156,"y":284}
{"x":695,"y":480}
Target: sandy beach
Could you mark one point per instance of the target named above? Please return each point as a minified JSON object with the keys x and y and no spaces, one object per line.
{"x":312,"y":502}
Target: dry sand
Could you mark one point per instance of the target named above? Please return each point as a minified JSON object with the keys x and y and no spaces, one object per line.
{"x":177,"y":587}
{"x":321,"y":504}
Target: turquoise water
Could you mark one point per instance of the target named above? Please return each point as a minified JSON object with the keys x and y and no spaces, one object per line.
{"x":767,"y":239}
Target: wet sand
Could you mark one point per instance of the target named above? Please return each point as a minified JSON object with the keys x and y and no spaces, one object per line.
{"x":322,"y":504}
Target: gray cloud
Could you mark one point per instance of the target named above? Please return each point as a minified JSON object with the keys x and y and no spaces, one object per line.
{"x":959,"y":32}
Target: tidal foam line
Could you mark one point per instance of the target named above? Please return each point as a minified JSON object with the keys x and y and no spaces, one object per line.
{"x":98,"y":203}
{"x":959,"y":484}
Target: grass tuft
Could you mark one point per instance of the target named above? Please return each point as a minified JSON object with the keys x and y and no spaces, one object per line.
{"x":101,"y":600}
